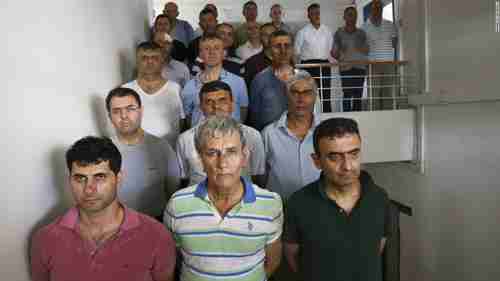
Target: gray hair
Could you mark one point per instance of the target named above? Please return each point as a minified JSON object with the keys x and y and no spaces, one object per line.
{"x":300,"y":75}
{"x":215,"y":126}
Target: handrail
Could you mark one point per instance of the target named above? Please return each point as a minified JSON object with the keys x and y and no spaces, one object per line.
{"x":363,"y":62}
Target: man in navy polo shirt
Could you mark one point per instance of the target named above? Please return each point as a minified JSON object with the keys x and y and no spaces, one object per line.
{"x":336,"y":227}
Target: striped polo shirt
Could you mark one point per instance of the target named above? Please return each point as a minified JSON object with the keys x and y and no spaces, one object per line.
{"x":380,"y":40}
{"x":230,"y":247}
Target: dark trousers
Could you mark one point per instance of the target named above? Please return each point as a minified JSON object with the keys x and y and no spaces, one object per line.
{"x":352,"y":86}
{"x":323,"y":84}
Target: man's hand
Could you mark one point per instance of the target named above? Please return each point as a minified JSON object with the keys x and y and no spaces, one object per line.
{"x":273,"y":257}
{"x":292,"y":255}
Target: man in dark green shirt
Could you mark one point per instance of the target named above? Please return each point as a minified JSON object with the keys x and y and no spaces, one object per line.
{"x":336,"y":227}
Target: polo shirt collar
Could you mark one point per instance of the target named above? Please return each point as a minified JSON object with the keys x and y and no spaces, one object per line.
{"x":284,"y":117}
{"x":223,"y":75}
{"x":130,"y":220}
{"x":248,"y":194}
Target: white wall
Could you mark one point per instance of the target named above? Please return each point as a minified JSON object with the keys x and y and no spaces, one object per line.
{"x":59,"y":59}
{"x":454,"y":233}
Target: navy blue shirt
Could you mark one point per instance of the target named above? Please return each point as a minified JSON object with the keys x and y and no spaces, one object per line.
{"x":267,"y":99}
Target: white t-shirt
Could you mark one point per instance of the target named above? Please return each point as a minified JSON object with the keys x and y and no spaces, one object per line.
{"x":162,"y":110}
{"x":190,"y":162}
{"x":247,"y":50}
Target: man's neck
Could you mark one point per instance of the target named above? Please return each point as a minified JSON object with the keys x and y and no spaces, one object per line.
{"x":225,"y":199}
{"x":132,"y":139}
{"x":350,"y":28}
{"x":348,"y":193}
{"x":316,"y":25}
{"x":211,"y":73}
{"x":151,"y":83}
{"x":111,"y":216}
{"x":299,"y":125}
{"x":255,"y":43}
{"x":376,"y":21}
{"x":251,"y":21}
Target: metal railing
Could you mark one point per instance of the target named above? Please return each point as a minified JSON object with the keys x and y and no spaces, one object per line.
{"x":386,"y":85}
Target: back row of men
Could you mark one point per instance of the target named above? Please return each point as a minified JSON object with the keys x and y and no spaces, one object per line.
{"x":223,"y":225}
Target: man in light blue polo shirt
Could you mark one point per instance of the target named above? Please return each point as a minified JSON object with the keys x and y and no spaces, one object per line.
{"x":212,"y":54}
{"x":288,"y":142}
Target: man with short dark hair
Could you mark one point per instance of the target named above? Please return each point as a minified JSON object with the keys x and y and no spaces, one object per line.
{"x":149,"y":162}
{"x":217,"y":100}
{"x":312,"y":45}
{"x":212,"y":54}
{"x":260,"y":61}
{"x":181,"y":29}
{"x":225,"y":227}
{"x":208,"y":24}
{"x":350,"y":45}
{"x":231,"y":62}
{"x":276,"y":13}
{"x":268,"y":98}
{"x":173,"y":69}
{"x":165,"y":115}
{"x":346,"y":240}
{"x":100,"y":238}
{"x":250,"y":12}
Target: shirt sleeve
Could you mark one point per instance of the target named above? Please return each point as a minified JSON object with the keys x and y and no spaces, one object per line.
{"x":242,"y":92}
{"x":177,"y":92}
{"x":187,"y":98}
{"x":254,"y":104}
{"x":299,"y":40}
{"x":165,"y":255}
{"x":39,"y":268}
{"x":277,"y":220}
{"x":257,"y":155}
{"x":181,"y":157}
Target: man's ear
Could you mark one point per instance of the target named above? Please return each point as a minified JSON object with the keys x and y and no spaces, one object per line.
{"x":119,"y":178}
{"x":316,"y":160}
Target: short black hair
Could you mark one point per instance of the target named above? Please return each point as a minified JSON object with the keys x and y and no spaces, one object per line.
{"x":148,"y":46}
{"x":248,"y":3}
{"x":207,"y":11}
{"x":93,"y":150}
{"x":313,"y":6}
{"x":122,"y":92}
{"x":278,"y":33}
{"x":158,"y":17}
{"x":213,"y":86}
{"x":334,"y":128}
{"x":209,"y":37}
{"x":350,"y":8}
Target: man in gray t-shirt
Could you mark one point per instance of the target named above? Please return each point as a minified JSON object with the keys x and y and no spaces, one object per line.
{"x":350,"y":46}
{"x":151,"y":171}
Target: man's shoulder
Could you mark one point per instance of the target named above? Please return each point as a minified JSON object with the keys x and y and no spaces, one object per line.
{"x":304,"y":194}
{"x":263,"y":75}
{"x":51,"y":231}
{"x":232,"y":78}
{"x":249,"y":131}
{"x":262,"y":194}
{"x":183,"y":194}
{"x":131,"y":85}
{"x":187,"y":136}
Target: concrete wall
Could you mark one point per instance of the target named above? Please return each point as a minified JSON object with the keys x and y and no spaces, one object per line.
{"x":454,"y":233}
{"x":59,"y":58}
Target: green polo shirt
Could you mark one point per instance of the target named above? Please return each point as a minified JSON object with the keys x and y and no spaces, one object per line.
{"x":335,"y":246}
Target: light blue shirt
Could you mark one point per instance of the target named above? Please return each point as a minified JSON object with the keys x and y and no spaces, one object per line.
{"x":288,"y":159}
{"x":191,"y":95}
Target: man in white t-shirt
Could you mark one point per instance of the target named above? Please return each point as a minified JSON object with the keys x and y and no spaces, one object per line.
{"x":149,"y":164}
{"x":217,"y":99}
{"x":164,"y":114}
{"x":312,"y":45}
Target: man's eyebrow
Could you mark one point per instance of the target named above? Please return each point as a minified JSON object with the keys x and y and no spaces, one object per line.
{"x":345,"y":152}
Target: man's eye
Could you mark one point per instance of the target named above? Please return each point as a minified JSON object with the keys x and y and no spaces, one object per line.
{"x":79,"y":179}
{"x":100,"y":177}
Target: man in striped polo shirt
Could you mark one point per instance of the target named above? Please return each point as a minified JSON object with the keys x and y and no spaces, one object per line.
{"x":225,"y":227}
{"x":382,"y":40}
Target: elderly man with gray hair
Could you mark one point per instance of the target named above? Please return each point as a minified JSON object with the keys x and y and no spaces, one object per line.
{"x":288,"y":142}
{"x":225,"y":226}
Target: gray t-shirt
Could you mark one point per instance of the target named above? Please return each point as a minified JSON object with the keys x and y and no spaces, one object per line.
{"x":346,"y":42}
{"x":151,"y":174}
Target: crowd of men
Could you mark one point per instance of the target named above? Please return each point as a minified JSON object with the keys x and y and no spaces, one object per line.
{"x":219,"y":164}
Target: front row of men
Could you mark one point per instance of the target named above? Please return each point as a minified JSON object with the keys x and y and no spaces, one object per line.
{"x":224,"y":226}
